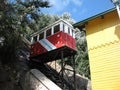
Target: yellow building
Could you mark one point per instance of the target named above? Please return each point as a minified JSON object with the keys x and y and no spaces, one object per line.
{"x":103,"y":39}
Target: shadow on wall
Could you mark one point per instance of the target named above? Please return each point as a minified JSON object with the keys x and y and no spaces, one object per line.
{"x":82,"y":83}
{"x":117,"y":31}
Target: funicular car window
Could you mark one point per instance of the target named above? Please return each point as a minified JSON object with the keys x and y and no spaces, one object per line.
{"x":41,"y":35}
{"x":73,"y":33}
{"x":63,"y":27}
{"x":48,"y":32}
{"x":34,"y":38}
{"x":68,"y":30}
{"x":56,"y":28}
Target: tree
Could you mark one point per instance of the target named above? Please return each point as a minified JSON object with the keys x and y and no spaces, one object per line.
{"x":46,"y":19}
{"x":16,"y":19}
{"x":82,"y":60}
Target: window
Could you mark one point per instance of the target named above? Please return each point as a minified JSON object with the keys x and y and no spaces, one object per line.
{"x":68,"y":30}
{"x":41,"y":35}
{"x":48,"y":32}
{"x":31,"y":39}
{"x":35,"y":39}
{"x":73,"y":33}
{"x":56,"y":28}
{"x":63,"y":27}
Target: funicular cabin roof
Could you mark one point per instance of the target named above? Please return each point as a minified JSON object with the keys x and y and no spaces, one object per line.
{"x":49,"y":26}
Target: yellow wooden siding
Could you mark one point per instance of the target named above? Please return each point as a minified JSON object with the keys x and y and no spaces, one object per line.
{"x":105,"y":67}
{"x":103,"y":38}
{"x":102,"y":31}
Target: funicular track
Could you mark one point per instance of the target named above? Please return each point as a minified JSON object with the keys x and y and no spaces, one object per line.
{"x":52,"y":74}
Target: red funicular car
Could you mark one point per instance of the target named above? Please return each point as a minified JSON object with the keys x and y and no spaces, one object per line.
{"x":51,"y":41}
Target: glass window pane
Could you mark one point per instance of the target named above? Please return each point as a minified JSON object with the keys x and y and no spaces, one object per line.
{"x":73,"y":34}
{"x":48,"y":32}
{"x":68,"y":30}
{"x":41,"y":35}
{"x":57,"y":28}
{"x":63,"y":27}
{"x":35,"y":38}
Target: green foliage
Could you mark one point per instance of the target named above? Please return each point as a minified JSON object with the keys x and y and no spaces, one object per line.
{"x":45,"y":19}
{"x":82,"y":60}
{"x":28,"y":13}
{"x":16,"y":18}
{"x":8,"y":36}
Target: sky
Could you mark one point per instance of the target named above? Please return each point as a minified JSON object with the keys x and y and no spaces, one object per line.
{"x":78,"y":9}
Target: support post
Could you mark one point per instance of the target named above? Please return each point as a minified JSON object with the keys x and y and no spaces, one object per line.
{"x":118,"y":9}
{"x":62,"y":68}
{"x":74,"y":72}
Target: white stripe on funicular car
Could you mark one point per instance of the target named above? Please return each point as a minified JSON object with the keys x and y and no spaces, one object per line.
{"x":47,"y":45}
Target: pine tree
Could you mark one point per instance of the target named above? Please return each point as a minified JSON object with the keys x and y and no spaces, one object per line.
{"x":15,"y":19}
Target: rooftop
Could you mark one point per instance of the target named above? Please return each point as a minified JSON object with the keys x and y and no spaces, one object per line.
{"x":80,"y":23}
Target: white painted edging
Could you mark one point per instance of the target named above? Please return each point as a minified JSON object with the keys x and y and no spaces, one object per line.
{"x":44,"y":80}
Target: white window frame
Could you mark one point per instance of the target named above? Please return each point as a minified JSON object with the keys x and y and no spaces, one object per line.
{"x":70,"y":31}
{"x":66,"y":28}
{"x":73,"y":33}
{"x":61,"y":26}
{"x":45,"y":34}
{"x":31,"y":39}
{"x":52,"y":31}
{"x":38,"y":37}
